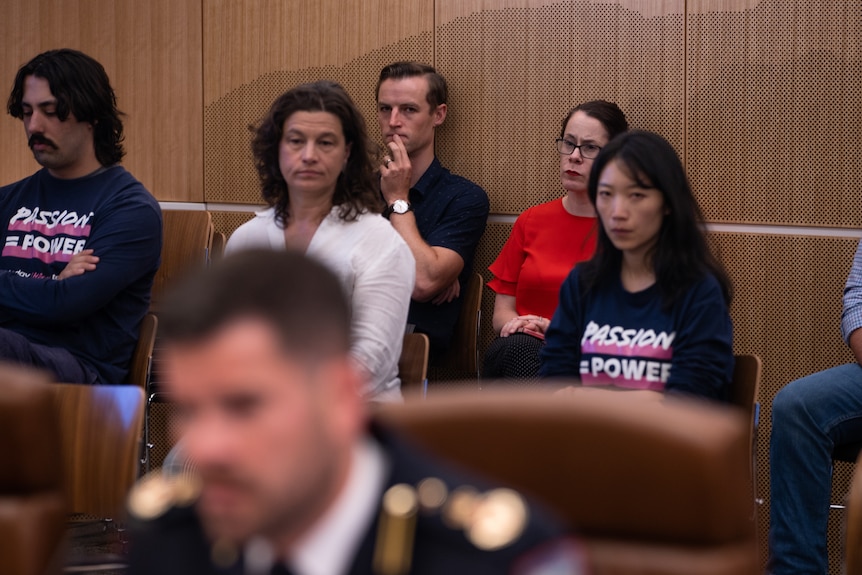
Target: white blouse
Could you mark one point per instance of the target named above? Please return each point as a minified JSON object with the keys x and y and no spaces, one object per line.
{"x":377,"y":271}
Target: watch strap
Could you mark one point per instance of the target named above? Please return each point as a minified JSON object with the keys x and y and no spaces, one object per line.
{"x":391,"y":209}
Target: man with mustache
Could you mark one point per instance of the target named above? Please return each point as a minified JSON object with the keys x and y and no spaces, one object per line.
{"x":440,"y":215}
{"x":291,"y":477}
{"x":81,"y":237}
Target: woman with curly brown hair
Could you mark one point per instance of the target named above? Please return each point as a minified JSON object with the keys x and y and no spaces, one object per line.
{"x":313,"y":158}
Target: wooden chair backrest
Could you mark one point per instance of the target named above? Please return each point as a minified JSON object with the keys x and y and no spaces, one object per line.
{"x":649,"y":485}
{"x":187,"y":240}
{"x":745,"y":385}
{"x":141,"y":364}
{"x":217,"y":249}
{"x":413,"y":364}
{"x":32,"y":503}
{"x":101,"y":428}
{"x":745,"y":393}
{"x":461,"y":361}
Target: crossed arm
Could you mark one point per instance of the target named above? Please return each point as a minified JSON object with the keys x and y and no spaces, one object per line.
{"x":128,"y":245}
{"x":82,"y":262}
{"x":437,"y":268}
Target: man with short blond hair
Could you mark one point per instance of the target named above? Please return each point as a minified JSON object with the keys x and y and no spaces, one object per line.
{"x":440,"y":215}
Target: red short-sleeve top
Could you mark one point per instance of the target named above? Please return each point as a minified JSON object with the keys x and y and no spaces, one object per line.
{"x":545,"y":244}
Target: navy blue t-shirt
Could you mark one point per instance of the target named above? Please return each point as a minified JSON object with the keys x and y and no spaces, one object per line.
{"x":614,"y":337}
{"x":95,"y":316}
{"x":451,"y":212}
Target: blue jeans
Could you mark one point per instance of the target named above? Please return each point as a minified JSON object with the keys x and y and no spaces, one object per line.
{"x":810,"y":416}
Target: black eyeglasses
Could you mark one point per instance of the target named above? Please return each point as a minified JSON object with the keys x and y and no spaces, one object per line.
{"x":588,"y":151}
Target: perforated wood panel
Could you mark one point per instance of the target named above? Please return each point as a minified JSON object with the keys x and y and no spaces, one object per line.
{"x":515,"y":71}
{"x":257,"y":49}
{"x":227,"y":222}
{"x":786,"y":309}
{"x":230,"y":175}
{"x":503,"y":118}
{"x":775,"y":111}
{"x":160,"y":435}
{"x":245,"y":40}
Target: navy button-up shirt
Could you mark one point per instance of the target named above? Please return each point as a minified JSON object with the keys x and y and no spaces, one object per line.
{"x":451,"y":212}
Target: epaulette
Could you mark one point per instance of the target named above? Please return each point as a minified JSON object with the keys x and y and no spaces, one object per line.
{"x":156,"y":493}
{"x":490,"y":520}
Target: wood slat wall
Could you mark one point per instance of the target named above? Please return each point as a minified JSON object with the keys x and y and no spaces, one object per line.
{"x":152,"y":52}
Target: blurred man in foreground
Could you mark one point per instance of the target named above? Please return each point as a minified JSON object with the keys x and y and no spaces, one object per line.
{"x":291,"y":477}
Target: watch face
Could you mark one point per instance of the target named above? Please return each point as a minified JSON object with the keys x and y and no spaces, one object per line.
{"x":400,"y":207}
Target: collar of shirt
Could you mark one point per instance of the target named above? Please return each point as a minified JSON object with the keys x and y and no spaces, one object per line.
{"x":330,"y":545}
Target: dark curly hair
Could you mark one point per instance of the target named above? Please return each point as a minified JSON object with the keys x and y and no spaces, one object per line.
{"x":681,"y":256}
{"x":82,"y":89}
{"x":356,"y":190}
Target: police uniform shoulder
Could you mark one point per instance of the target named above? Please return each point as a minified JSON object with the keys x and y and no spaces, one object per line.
{"x":488,"y":520}
{"x":167,"y":533}
{"x":156,"y":496}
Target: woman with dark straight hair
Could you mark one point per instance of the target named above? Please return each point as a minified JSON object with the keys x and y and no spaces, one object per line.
{"x":650,"y":309}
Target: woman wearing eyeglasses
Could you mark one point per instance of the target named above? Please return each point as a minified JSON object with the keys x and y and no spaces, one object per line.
{"x":546,"y":242}
{"x":649,"y":311}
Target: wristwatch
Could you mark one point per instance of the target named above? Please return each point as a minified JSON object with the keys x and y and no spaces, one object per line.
{"x":399,"y":207}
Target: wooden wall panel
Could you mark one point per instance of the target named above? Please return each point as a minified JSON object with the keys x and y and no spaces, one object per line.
{"x":751,"y":66}
{"x":152,"y":53}
{"x":775,"y":111}
{"x":245,"y":40}
{"x":257,"y":49}
{"x":19,"y":29}
{"x":516,"y":68}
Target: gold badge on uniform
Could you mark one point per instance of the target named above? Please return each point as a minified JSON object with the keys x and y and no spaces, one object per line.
{"x":154,"y":494}
{"x":490,"y":520}
{"x":394,"y":549}
{"x":498,"y":519}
